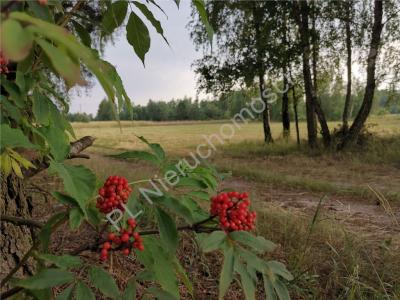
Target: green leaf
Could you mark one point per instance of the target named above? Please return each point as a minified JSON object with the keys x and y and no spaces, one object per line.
{"x":75,"y":218}
{"x":269,"y":288}
{"x":138,"y":36}
{"x":258,"y":243}
{"x":156,"y":148}
{"x":114,"y":16}
{"x":136,"y":154}
{"x":44,"y":234}
{"x":62,"y":63}
{"x":65,"y":199}
{"x":175,"y":205}
{"x":226,"y":275}
{"x":16,"y":42}
{"x":103,"y":281}
{"x":200,"y":6}
{"x":199,"y":194}
{"x":45,"y":279}
{"x":168,"y":231}
{"x":149,"y":15}
{"x":40,"y":11}
{"x":63,"y":261}
{"x":66,"y":294}
{"x":181,"y":273}
{"x":57,"y":140}
{"x":279,"y":269}
{"x":248,"y":285}
{"x":191,"y":182}
{"x":82,"y":292}
{"x":130,"y":290}
{"x":79,"y":181}
{"x":161,"y":294}
{"x":213,"y":241}
{"x":40,"y":108}
{"x":14,"y":137}
{"x":281,"y":290}
{"x":82,"y":33}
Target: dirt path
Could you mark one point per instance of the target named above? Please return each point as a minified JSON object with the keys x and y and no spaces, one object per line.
{"x":355,"y":214}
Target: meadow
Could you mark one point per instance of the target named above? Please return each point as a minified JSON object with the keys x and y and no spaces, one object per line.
{"x":335,"y":216}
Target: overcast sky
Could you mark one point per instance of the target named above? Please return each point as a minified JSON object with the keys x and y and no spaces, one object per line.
{"x":168,"y":73}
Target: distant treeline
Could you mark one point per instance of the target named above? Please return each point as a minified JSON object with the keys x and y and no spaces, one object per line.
{"x":228,"y":105}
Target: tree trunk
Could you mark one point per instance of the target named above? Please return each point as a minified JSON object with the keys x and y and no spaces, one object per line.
{"x":265,"y":116}
{"x":285,"y":106}
{"x":296,"y":116}
{"x":14,"y":240}
{"x":355,"y":129}
{"x":285,"y":97}
{"x":347,"y":102}
{"x":302,"y":21}
{"x":315,"y":51}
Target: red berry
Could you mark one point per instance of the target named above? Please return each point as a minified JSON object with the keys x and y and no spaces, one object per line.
{"x":126,"y":251}
{"x":125,"y":237}
{"x":106,"y":245}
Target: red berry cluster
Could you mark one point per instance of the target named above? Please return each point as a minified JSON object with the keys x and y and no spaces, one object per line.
{"x":233,"y":211}
{"x":113,"y":194}
{"x":126,"y":240}
{"x":3,"y":64}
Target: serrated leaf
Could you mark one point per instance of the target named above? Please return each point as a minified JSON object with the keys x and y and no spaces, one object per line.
{"x":191,"y":182}
{"x":16,"y":168}
{"x":78,"y":181}
{"x":213,"y":241}
{"x":226,"y":275}
{"x":201,"y":9}
{"x":104,"y":282}
{"x":14,"y":137}
{"x":114,"y":16}
{"x":168,"y":231}
{"x":82,"y":33}
{"x":45,"y":232}
{"x":199,"y":194}
{"x":62,"y":261}
{"x":16,"y":41}
{"x":248,"y":285}
{"x":138,"y":36}
{"x":75,"y":218}
{"x":65,"y":199}
{"x":40,"y":109}
{"x":279,"y":269}
{"x":258,"y":243}
{"x":268,"y":288}
{"x":45,"y":279}
{"x":40,"y":11}
{"x":156,"y":148}
{"x":82,"y":292}
{"x":57,"y":140}
{"x":66,"y":294}
{"x":136,"y":154}
{"x":130,"y":290}
{"x":161,"y":294}
{"x":149,"y":15}
{"x":62,"y":63}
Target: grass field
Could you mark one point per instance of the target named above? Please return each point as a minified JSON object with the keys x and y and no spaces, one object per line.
{"x":343,"y":247}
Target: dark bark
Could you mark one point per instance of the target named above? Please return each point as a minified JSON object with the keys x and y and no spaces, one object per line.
{"x":14,"y":239}
{"x":355,"y":129}
{"x":315,"y":53}
{"x":347,"y":103}
{"x":301,"y":12}
{"x":285,"y":97}
{"x":296,"y":116}
{"x":285,"y":106}
{"x":261,"y":73}
{"x":265,"y":115}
